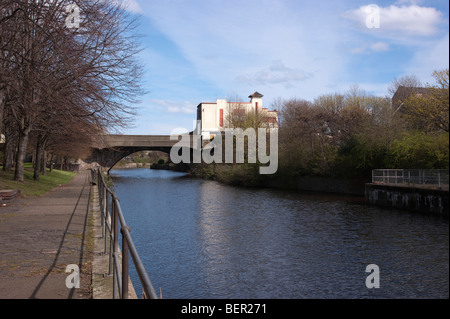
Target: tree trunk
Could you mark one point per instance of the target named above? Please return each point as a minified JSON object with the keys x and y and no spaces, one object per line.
{"x":39,"y":162}
{"x":51,"y":164}
{"x":8,"y":159}
{"x":21,"y":153}
{"x":37,"y":159}
{"x":44,"y":162}
{"x":10,"y":144}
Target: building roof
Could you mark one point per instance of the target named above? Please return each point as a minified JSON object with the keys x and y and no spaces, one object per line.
{"x":404,"y":92}
{"x":256,"y":94}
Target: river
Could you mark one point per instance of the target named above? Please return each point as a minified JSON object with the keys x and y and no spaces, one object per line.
{"x":201,"y":239}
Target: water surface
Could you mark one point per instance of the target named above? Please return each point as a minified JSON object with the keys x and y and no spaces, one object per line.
{"x":202,"y":239}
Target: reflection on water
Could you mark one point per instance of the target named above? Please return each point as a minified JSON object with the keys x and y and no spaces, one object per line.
{"x":202,"y":239}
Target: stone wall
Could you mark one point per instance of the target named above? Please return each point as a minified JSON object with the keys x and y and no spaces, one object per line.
{"x":425,"y":200}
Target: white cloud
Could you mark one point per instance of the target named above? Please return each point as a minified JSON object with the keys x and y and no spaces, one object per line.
{"x":359,"y":50}
{"x":399,"y":20}
{"x":276,"y":73}
{"x":279,"y":48}
{"x":232,"y":44}
{"x":379,"y":47}
{"x":374,"y":47}
{"x":175,"y":106}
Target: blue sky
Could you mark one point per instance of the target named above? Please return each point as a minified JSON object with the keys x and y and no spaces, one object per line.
{"x":201,"y":50}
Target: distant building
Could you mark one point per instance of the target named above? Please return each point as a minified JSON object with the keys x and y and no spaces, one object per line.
{"x":404,"y":92}
{"x":215,"y":117}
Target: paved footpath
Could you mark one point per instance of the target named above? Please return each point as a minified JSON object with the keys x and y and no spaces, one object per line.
{"x":40,"y":237}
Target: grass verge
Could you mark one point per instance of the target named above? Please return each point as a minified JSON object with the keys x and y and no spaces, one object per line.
{"x":30,"y":187}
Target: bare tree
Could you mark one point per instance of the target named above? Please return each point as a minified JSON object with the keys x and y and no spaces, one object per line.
{"x":239,"y":115}
{"x":305,"y":140}
{"x":53,"y":72}
{"x":408,"y":81}
{"x":331,"y":106}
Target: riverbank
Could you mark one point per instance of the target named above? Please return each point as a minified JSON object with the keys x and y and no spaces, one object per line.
{"x":30,"y":187}
{"x":132,"y":165}
{"x":424,"y":199}
{"x":247,"y":175}
{"x":420,"y":200}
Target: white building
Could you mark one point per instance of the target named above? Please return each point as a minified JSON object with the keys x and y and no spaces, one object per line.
{"x":215,"y":117}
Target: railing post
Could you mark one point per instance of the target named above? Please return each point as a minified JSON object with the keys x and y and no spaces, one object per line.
{"x":125,"y":263}
{"x":105,"y":217}
{"x":111,"y":241}
{"x":112,"y":216}
{"x":116,"y":226}
{"x":102,"y":216}
{"x":115,"y":246}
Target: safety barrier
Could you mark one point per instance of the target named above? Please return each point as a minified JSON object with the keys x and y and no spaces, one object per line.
{"x":111,"y":217}
{"x":412,"y":177}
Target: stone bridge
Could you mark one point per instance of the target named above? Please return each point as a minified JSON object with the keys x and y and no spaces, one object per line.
{"x":110,"y":149}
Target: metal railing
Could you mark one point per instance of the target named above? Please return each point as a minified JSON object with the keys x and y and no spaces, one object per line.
{"x":111,"y":217}
{"x":412,"y":177}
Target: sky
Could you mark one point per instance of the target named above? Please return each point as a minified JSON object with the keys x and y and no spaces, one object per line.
{"x":202,"y":50}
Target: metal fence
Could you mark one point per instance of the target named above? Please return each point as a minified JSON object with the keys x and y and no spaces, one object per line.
{"x":412,"y":177}
{"x":111,"y":217}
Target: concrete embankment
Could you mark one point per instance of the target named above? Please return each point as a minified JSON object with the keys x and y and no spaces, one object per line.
{"x":417,"y":199}
{"x":318,"y":184}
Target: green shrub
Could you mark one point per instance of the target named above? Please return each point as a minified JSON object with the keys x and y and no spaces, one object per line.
{"x":419,"y":150}
{"x":359,"y":156}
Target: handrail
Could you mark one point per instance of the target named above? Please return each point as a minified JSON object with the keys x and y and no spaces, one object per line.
{"x":111,"y":217}
{"x":412,"y":177}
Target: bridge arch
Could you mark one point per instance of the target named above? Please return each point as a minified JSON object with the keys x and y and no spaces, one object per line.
{"x":112,"y":148}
